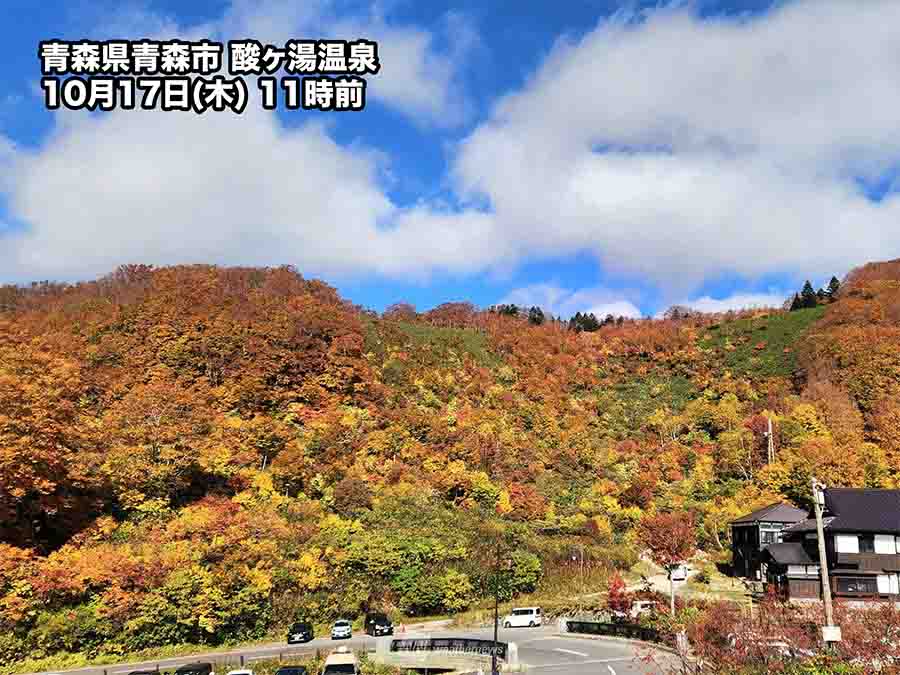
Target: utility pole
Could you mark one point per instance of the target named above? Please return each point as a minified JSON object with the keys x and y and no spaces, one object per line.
{"x":830,"y":632}
{"x":581,"y":574}
{"x":496,"y":608}
{"x":771,"y":439}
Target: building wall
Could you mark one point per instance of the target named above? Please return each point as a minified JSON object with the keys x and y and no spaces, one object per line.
{"x":746,"y":547}
{"x":804,"y":588}
{"x":869,"y":562}
{"x":852,"y":573}
{"x":842,"y":586}
{"x":745,"y":550}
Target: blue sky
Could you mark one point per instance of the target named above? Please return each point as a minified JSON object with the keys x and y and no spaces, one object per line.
{"x":585,"y":156}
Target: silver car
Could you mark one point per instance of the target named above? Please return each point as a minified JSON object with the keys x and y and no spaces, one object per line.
{"x":341,"y":630}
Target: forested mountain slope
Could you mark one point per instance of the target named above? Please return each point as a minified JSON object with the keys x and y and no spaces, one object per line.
{"x":197,"y":454}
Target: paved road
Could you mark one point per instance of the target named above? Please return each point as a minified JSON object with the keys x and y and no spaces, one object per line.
{"x":541,"y":650}
{"x":548,"y":653}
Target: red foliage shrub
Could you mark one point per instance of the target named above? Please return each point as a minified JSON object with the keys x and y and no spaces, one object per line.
{"x":618,"y":599}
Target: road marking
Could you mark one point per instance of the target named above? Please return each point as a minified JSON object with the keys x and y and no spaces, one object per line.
{"x":570,"y":651}
{"x":610,"y":669}
{"x":569,"y":664}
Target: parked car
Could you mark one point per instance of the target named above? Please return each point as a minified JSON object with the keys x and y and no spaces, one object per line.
{"x":241,"y":671}
{"x":638,"y":608}
{"x":300,"y":632}
{"x":340,"y":662}
{"x":377,"y":623}
{"x":195,"y":669}
{"x":291,"y":670}
{"x":341,"y":630}
{"x":523,"y":616}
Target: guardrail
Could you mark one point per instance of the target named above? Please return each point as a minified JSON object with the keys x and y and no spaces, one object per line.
{"x":624,"y":630}
{"x":222,"y":662}
{"x":466,"y":646}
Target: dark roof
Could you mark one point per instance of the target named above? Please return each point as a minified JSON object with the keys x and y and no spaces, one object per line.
{"x":857,"y":510}
{"x":808,"y":525}
{"x":775,"y":513}
{"x":789,"y":553}
{"x":865,"y":510}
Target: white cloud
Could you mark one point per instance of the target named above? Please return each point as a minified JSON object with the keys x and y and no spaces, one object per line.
{"x":177,"y":188}
{"x":169,"y":188}
{"x":617,"y":309}
{"x":563,"y":302}
{"x":737,"y":301}
{"x":743,"y":138}
{"x":730,"y":144}
{"x":416,"y":78}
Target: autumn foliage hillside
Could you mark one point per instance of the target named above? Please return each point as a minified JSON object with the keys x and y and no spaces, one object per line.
{"x":198,"y":454}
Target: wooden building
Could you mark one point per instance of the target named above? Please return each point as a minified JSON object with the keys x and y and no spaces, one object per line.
{"x":753,"y":532}
{"x":862,"y":544}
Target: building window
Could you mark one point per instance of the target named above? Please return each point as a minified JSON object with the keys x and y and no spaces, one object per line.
{"x":888,"y":584}
{"x":768,"y":537}
{"x":885,"y":544}
{"x":857,"y":585}
{"x":846,"y":543}
{"x":866,"y":543}
{"x":803,"y":570}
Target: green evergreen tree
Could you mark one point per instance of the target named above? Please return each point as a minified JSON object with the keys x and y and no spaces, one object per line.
{"x":808,"y":296}
{"x":833,"y":287}
{"x":536,"y":316}
{"x":575,"y":323}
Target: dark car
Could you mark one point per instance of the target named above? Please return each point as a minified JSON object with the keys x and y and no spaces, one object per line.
{"x":300,"y":632}
{"x":291,"y":670}
{"x":378,"y":623}
{"x":195,"y":669}
{"x":143,"y":672}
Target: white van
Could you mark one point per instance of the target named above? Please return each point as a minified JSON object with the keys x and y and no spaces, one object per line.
{"x":341,"y":662}
{"x":523,"y":616}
